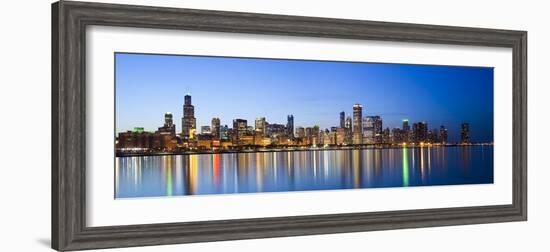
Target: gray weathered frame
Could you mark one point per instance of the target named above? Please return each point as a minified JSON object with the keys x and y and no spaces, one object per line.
{"x":69,"y":20}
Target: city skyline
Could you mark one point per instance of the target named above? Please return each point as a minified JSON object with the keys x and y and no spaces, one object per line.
{"x":319,"y":108}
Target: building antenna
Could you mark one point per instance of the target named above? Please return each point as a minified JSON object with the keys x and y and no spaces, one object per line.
{"x":187,"y":90}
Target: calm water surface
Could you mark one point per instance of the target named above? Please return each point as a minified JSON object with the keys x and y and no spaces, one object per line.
{"x":148,"y":176}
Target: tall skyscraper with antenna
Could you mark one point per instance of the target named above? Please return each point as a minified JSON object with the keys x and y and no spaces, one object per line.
{"x":188,"y":121}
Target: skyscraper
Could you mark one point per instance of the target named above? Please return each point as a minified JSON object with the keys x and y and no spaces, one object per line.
{"x":377,"y":124}
{"x":348,"y":134}
{"x":420,"y":132}
{"x":372,"y":129}
{"x":169,"y":126}
{"x":397,"y":135}
{"x":315,"y":130}
{"x":260,"y":125}
{"x":290,"y":126}
{"x":348,"y":123}
{"x":433,"y":136}
{"x":443,"y":134}
{"x":216,"y":128}
{"x":276,"y":130}
{"x":168,"y":119}
{"x":240,"y":126}
{"x":342,"y":119}
{"x":340,"y":136}
{"x":406,"y":126}
{"x":368,"y":129}
{"x":415,"y":133}
{"x":386,"y":136}
{"x":315,"y":134}
{"x":357,"y":124}
{"x":224,"y":132}
{"x":406,"y":130}
{"x":465,"y":133}
{"x":188,"y":121}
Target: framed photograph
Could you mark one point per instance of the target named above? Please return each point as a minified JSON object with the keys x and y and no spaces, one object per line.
{"x":177,"y":125}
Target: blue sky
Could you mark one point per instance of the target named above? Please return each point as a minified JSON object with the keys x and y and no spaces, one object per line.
{"x":315,"y":92}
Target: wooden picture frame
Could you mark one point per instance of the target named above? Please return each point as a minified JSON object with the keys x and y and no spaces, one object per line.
{"x":69,"y":20}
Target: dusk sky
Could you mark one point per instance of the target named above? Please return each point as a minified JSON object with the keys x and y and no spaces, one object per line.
{"x":315,"y":92}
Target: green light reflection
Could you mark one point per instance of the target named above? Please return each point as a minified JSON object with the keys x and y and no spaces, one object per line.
{"x":405,"y":168}
{"x":168,"y":170}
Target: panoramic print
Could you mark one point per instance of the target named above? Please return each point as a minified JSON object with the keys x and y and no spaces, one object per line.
{"x":195,"y":125}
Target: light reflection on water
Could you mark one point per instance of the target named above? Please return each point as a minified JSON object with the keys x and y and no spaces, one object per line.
{"x":174,"y":175}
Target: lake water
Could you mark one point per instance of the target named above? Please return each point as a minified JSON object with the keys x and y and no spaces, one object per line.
{"x":176,"y":175}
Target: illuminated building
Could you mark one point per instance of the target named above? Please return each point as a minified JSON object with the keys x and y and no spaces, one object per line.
{"x":325,"y":136}
{"x":406,"y":130}
{"x":443,"y":134}
{"x":397,"y":136}
{"x":406,"y":126}
{"x":226,"y":145}
{"x":260,"y":124}
{"x":249,"y":130}
{"x":169,"y":127}
{"x":357,"y":124}
{"x":240,"y":127}
{"x":169,"y":143}
{"x":386,"y":135}
{"x":368,"y":130}
{"x":290,"y":126}
{"x":309,"y":132}
{"x":465,"y":133}
{"x":188,"y":121}
{"x":160,"y":142}
{"x":206,"y":130}
{"x":433,"y":136}
{"x":435,"y":133}
{"x":372,"y":129}
{"x":134,"y":140}
{"x":332,"y":136}
{"x":348,"y":139}
{"x":216,"y":144}
{"x":216,"y":128}
{"x":224,"y":132}
{"x":415,"y":133}
{"x":258,"y":136}
{"x":378,"y":134}
{"x":342,"y":119}
{"x":340,"y":136}
{"x":266,"y":141}
{"x":300,"y":132}
{"x":138,"y":140}
{"x":282,"y":140}
{"x":246,"y":140}
{"x":312,"y":135}
{"x":275,"y":130}
{"x":420,"y":132}
{"x":204,"y":144}
{"x":192,"y":133}
{"x":316,"y":134}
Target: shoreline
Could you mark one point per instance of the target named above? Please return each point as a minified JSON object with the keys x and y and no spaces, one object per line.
{"x":292,"y":149}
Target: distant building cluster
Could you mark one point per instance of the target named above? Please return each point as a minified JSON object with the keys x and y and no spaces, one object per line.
{"x":354,"y":130}
{"x":138,"y":140}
